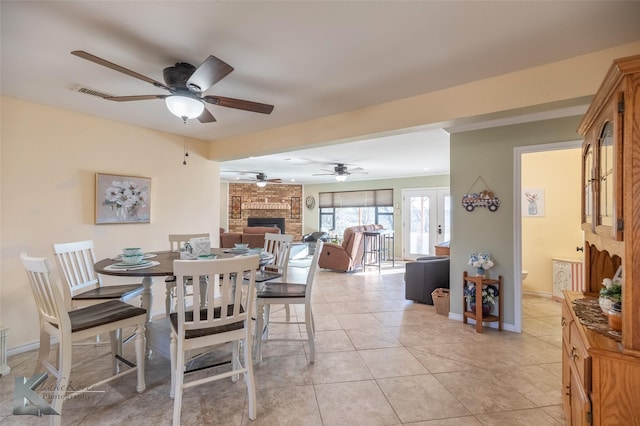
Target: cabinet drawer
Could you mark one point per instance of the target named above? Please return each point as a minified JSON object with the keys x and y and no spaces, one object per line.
{"x":579,"y":357}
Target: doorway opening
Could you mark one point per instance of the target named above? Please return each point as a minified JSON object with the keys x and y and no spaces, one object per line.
{"x":553,"y":247}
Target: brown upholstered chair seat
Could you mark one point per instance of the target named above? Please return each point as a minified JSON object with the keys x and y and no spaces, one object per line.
{"x":188,"y":316}
{"x":102,"y":313}
{"x":109,"y":292}
{"x":281,"y":290}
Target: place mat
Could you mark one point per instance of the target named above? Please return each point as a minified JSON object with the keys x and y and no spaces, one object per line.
{"x":124,"y":267}
{"x":590,"y":315}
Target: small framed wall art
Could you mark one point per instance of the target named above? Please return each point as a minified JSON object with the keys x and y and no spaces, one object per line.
{"x":295,"y":207}
{"x":533,"y":202}
{"x":122,"y":199}
{"x":236,"y":207}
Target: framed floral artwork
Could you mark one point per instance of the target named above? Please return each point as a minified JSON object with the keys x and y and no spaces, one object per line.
{"x":122,"y":199}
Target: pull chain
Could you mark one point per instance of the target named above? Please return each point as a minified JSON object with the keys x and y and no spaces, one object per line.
{"x":186,"y":152}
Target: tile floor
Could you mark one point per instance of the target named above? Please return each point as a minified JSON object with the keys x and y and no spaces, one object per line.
{"x":381,"y":360}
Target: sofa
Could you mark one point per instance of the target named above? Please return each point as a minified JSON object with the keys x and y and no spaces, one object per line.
{"x":252,"y":235}
{"x":346,"y":257}
{"x":424,"y":275}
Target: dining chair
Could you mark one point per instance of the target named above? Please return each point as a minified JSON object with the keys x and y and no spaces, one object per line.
{"x":224,"y":320}
{"x":84,"y":286}
{"x":280,"y":246}
{"x":177,"y":242}
{"x":286,"y":293}
{"x":70,"y":326}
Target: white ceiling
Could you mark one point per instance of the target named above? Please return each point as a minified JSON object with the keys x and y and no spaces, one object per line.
{"x":310,"y":59}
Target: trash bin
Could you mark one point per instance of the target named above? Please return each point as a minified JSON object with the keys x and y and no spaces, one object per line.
{"x":441,"y":300}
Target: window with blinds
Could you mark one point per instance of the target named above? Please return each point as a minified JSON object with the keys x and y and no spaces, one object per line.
{"x":368,"y":198}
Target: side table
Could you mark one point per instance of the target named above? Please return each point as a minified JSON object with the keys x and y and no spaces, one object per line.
{"x":477,"y":314}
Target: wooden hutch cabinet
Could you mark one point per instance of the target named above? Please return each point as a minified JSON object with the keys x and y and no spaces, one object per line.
{"x":600,"y":367}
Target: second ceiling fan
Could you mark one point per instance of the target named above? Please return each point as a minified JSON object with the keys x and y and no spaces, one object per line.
{"x":341,"y":171}
{"x":186,"y":85}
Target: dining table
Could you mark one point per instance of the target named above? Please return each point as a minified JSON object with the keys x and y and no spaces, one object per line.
{"x":160,"y":264}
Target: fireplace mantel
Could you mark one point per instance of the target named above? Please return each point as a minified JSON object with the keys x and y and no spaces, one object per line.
{"x":266,"y":206}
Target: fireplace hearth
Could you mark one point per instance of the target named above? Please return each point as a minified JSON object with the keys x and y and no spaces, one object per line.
{"x":267,"y":221}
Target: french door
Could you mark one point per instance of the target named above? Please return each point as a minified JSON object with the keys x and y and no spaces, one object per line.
{"x":426,"y":221}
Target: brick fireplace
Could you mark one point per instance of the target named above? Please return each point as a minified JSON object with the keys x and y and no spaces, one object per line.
{"x":276,"y":222}
{"x":250,"y":203}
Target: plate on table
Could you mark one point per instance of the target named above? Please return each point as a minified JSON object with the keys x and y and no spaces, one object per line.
{"x":239,"y":251}
{"x":123,"y":265}
{"x":144,"y":256}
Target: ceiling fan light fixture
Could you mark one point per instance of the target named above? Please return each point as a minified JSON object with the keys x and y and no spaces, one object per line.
{"x":261,"y":183}
{"x":184,"y":107}
{"x":341,"y":178}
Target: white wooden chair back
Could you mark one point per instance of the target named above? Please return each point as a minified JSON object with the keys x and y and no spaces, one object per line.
{"x":76,"y":260}
{"x":234,"y":303}
{"x":176,"y":241}
{"x":313,"y":271}
{"x":46,"y":293}
{"x":280,"y":246}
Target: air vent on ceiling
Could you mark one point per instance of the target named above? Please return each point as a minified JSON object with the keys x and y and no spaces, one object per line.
{"x":92,"y":92}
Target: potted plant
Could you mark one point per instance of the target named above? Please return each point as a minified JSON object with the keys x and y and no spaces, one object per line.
{"x":610,"y":293}
{"x":482,"y":262}
{"x":489,"y":294}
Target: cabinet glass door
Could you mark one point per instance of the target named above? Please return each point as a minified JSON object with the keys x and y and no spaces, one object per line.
{"x":587,"y":185}
{"x":606,"y":184}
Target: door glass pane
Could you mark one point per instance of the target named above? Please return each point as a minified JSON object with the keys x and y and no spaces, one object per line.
{"x":447,"y":219}
{"x":419,"y":225}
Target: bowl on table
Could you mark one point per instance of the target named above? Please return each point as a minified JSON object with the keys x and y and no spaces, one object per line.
{"x":132,"y":259}
{"x":239,"y":246}
{"x":131,"y":251}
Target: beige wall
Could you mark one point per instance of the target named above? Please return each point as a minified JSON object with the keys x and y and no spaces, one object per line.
{"x":557,"y":233}
{"x":49,"y":160}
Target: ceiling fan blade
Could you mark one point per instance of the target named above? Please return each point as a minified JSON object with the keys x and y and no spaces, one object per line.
{"x":211,"y":71}
{"x":274,"y":180}
{"x":323,"y":174}
{"x":239,"y":104}
{"x":206,"y":117}
{"x":89,"y":57}
{"x":134,"y":98}
{"x":356,"y":169}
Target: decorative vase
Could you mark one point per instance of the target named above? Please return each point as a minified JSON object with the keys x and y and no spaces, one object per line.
{"x":132,"y":213}
{"x":121,"y":214}
{"x":487,"y":307}
{"x":533,"y":208}
{"x":480,"y":272}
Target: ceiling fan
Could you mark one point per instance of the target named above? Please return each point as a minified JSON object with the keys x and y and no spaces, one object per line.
{"x":261,"y":179}
{"x":341,"y":171}
{"x":186,"y":84}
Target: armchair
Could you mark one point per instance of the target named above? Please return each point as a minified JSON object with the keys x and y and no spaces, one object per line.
{"x":346,"y":257}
